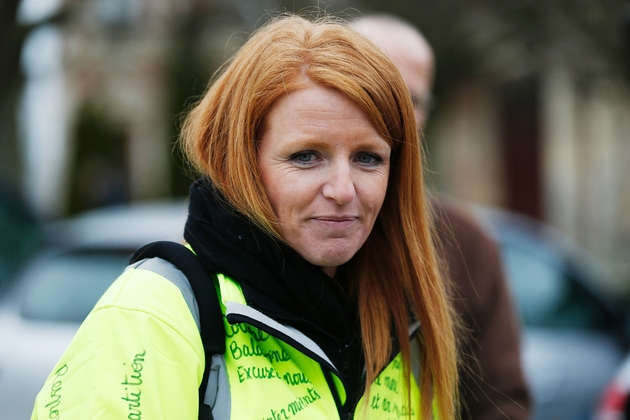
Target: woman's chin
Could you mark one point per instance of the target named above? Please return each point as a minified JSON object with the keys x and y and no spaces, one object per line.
{"x":331,"y":258}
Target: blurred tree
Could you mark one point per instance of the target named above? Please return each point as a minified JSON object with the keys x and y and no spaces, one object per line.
{"x":508,"y":40}
{"x":20,"y":231}
{"x":11,"y":38}
{"x":189,"y":71}
{"x":98,"y":174}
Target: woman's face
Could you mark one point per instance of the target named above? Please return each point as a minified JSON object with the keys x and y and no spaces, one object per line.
{"x":325,"y":169}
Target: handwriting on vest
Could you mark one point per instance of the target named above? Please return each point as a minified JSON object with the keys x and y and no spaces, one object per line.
{"x":55,"y":393}
{"x":295,"y":406}
{"x":233,"y":329}
{"x":257,"y":358}
{"x":246,"y":373}
{"x":253,"y":349}
{"x":385,"y":392}
{"x":133,"y":383}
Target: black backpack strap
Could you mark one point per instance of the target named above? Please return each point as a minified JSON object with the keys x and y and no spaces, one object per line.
{"x":212,"y":330}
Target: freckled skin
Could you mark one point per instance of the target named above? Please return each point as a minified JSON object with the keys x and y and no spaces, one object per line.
{"x":325,"y":169}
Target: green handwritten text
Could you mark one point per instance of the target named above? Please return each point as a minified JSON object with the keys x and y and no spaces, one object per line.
{"x":55,"y":393}
{"x":295,"y":406}
{"x":253,"y":349}
{"x":133,"y":399}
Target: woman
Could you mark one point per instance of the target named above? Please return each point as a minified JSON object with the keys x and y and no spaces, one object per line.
{"x":311,"y":214}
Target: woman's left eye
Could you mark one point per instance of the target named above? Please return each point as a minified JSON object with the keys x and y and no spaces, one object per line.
{"x":303,"y":157}
{"x":368,"y":159}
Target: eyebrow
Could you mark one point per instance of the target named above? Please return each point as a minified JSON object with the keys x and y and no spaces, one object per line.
{"x":314,"y":142}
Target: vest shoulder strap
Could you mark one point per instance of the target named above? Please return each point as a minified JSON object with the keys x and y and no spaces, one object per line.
{"x":210,"y":315}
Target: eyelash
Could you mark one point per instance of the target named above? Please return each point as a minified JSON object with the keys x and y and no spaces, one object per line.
{"x":295,"y":158}
{"x":377,"y":159}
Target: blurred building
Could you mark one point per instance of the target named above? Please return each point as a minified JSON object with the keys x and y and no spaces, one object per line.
{"x":111,"y":71}
{"x":532,"y":114}
{"x":106,"y":83}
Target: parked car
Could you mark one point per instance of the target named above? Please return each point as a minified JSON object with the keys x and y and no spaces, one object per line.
{"x":43,"y":305}
{"x":574,"y":334}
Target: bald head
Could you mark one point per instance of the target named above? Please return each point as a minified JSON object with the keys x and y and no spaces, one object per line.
{"x":409,"y":51}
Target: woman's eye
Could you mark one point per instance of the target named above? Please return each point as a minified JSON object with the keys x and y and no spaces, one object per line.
{"x":304,"y":157}
{"x":368,"y":159}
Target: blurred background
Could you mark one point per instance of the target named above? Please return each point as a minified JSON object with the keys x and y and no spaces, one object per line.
{"x":530,"y":111}
{"x":531,"y":102}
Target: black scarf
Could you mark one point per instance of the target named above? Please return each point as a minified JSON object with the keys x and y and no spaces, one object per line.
{"x":274,"y":278}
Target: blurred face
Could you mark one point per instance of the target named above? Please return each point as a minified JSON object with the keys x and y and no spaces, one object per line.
{"x":325,"y":169}
{"x":415,"y":71}
{"x":411,"y":54}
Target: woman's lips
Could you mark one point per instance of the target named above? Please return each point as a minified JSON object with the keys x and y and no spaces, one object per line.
{"x":336,"y":222}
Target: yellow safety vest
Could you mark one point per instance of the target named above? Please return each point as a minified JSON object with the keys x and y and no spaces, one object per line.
{"x":138,"y":355}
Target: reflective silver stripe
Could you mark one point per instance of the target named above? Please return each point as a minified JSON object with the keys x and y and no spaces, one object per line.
{"x":175,"y":276}
{"x":413,"y":328}
{"x":218,"y":395}
{"x":240,"y":309}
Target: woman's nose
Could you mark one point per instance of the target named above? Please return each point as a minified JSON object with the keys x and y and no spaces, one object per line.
{"x":340,"y":186}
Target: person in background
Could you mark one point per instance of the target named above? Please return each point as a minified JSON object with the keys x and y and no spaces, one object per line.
{"x":311,"y":217}
{"x":492,"y":383}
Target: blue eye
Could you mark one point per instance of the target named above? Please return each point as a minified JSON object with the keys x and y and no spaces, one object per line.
{"x":368,"y":159}
{"x":304,"y":157}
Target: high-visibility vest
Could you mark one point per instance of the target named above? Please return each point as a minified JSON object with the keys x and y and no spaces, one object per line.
{"x":138,"y":355}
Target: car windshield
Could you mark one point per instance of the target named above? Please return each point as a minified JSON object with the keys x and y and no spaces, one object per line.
{"x":66,"y":287}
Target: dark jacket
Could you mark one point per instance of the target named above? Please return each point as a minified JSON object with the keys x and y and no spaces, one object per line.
{"x":492,"y":381}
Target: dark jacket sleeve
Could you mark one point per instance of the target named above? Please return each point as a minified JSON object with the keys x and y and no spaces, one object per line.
{"x":492,"y":384}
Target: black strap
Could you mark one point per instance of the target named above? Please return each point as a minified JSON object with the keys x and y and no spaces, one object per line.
{"x":210,"y":316}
